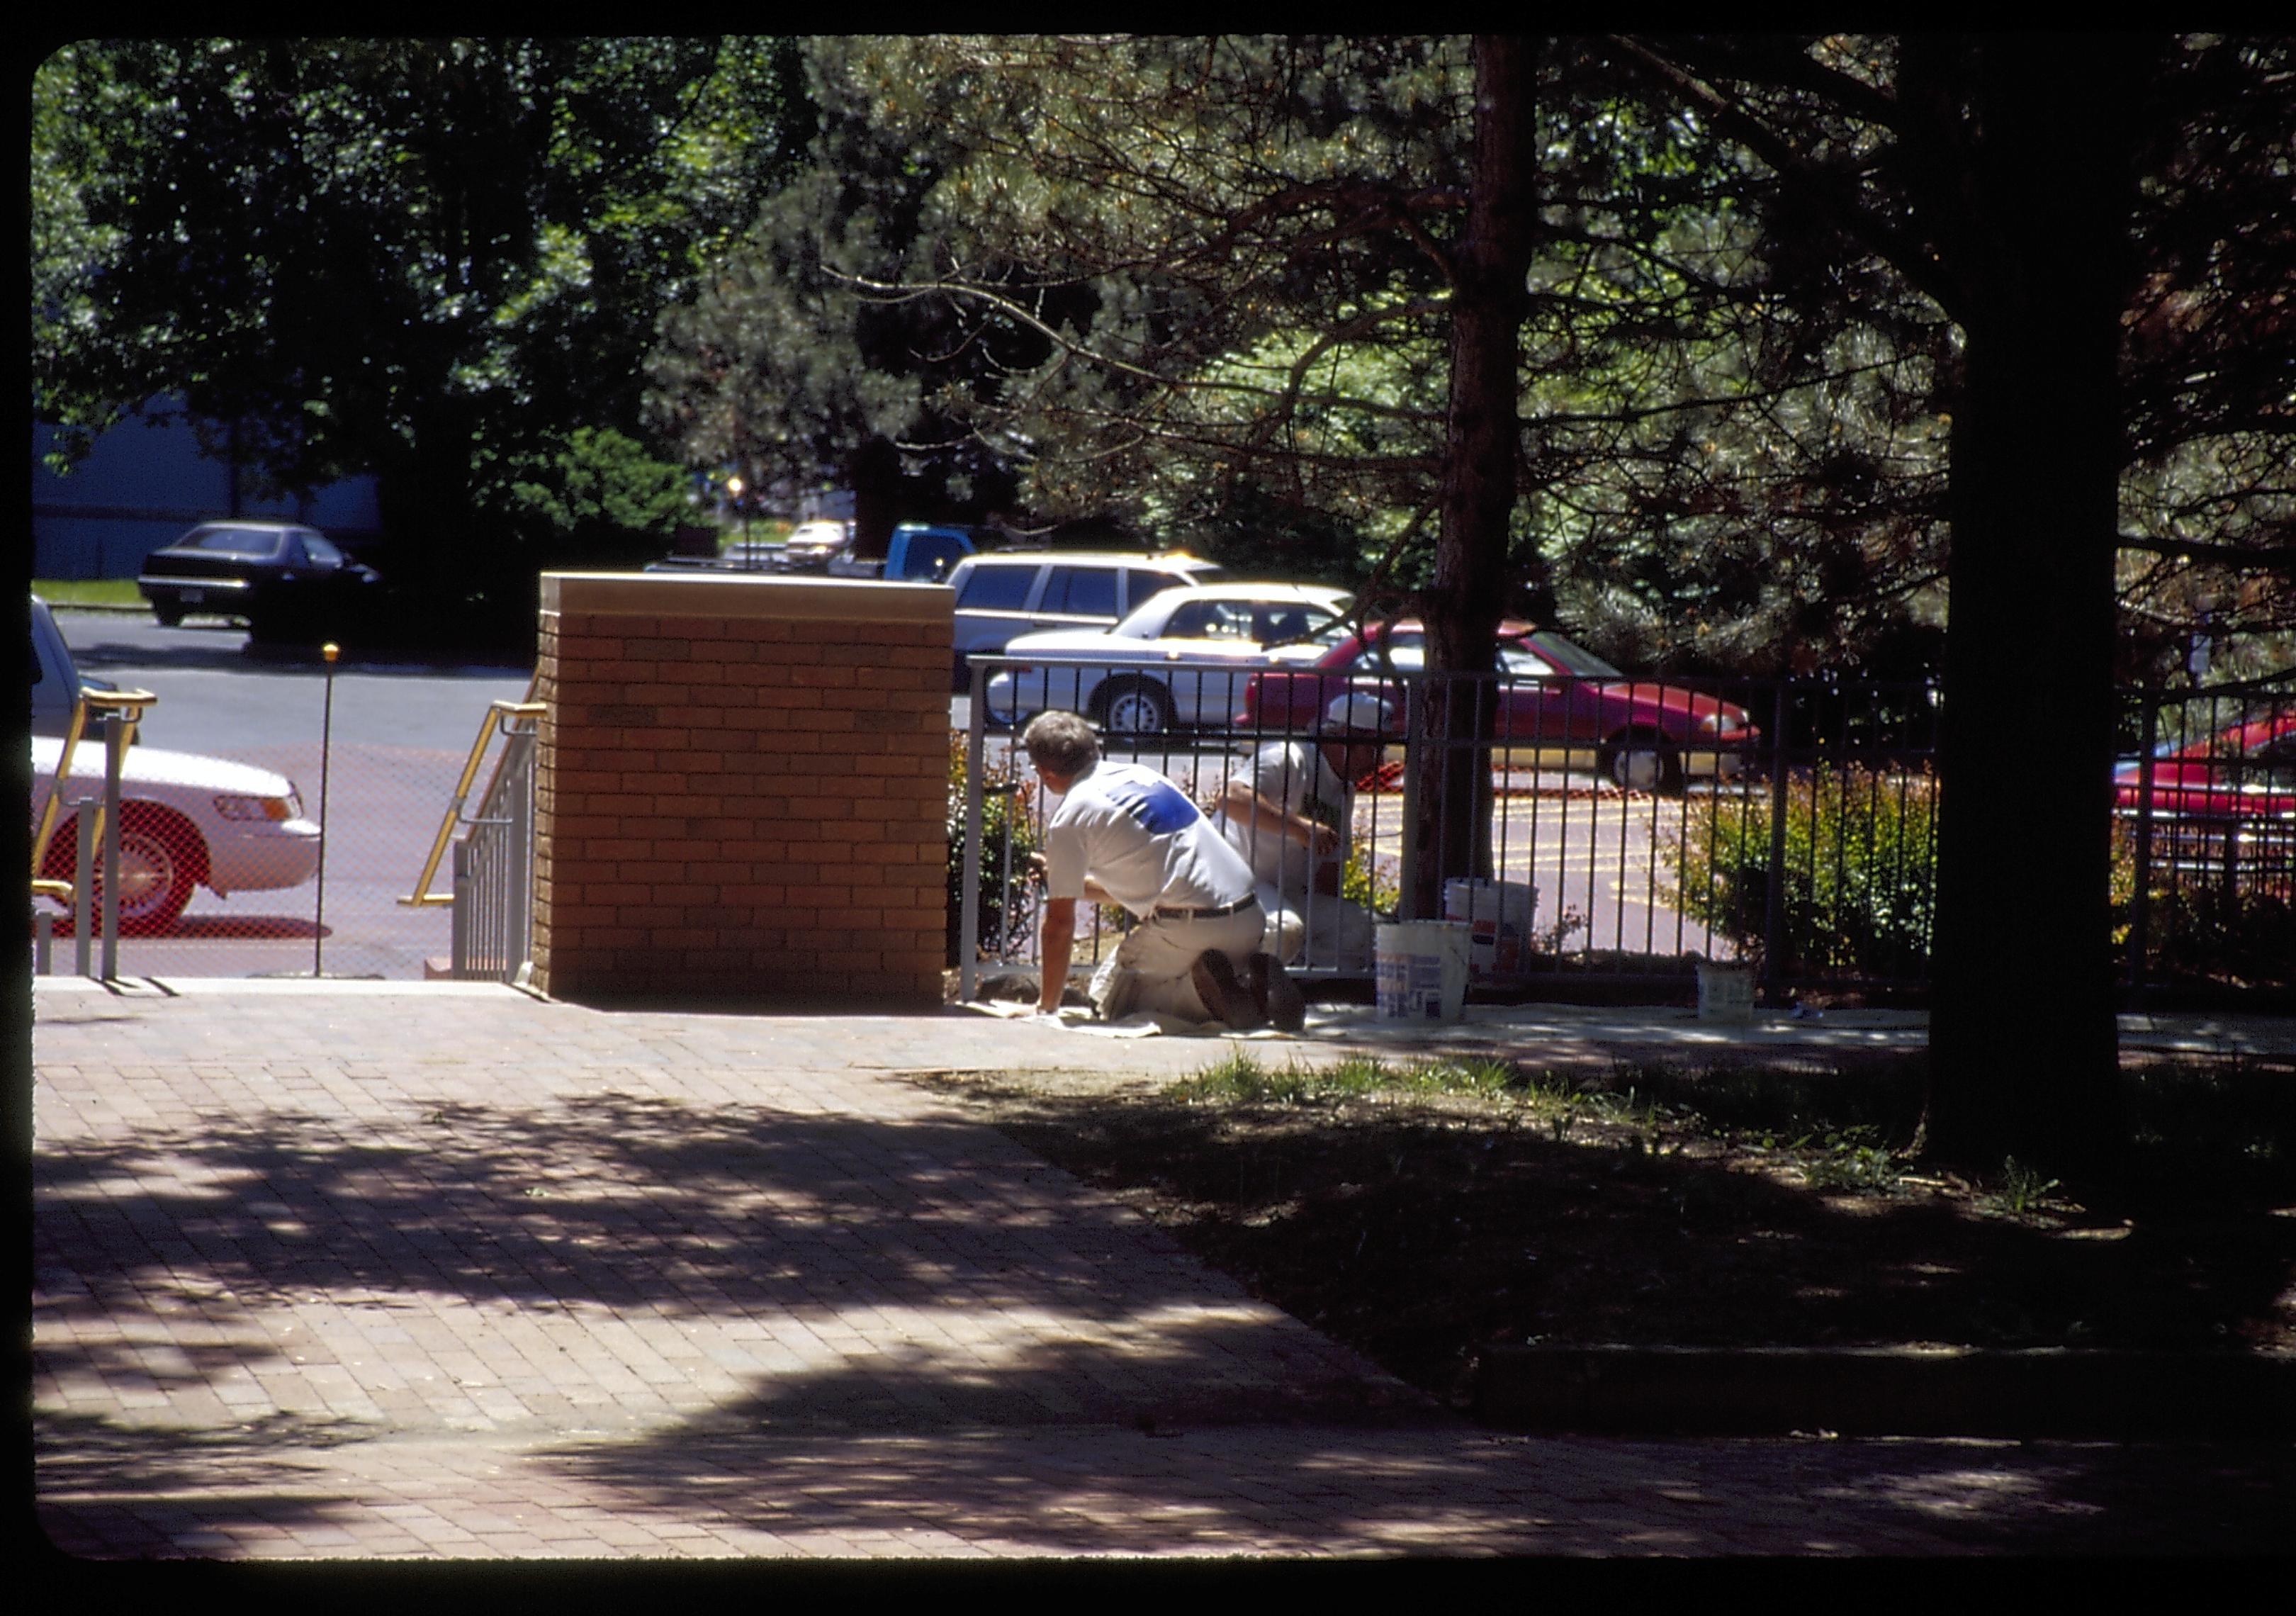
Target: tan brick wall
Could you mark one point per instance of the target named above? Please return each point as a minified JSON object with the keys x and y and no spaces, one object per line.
{"x":740,"y":789}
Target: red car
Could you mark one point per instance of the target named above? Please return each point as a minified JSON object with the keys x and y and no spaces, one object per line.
{"x":1559,"y":698}
{"x":2246,"y":772}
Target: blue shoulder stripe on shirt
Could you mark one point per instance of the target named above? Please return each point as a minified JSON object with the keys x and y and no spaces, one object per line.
{"x":1156,"y":806}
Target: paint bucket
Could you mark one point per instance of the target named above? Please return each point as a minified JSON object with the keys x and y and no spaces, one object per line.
{"x":1726,"y":993}
{"x":1498,"y":914}
{"x":1420,"y":968}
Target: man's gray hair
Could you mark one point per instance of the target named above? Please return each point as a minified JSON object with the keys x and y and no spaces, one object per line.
{"x":1061,"y":743}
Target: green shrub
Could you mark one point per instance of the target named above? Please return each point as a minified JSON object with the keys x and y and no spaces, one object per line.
{"x":1003,"y":862}
{"x":1860,"y":863}
{"x":2201,"y":925}
{"x":1370,"y":882}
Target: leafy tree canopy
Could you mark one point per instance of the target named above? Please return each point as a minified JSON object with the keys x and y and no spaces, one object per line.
{"x":384,"y":255}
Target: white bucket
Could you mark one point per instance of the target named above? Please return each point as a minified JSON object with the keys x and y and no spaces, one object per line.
{"x":1498,"y":915}
{"x":1420,"y":968}
{"x":1726,"y":993}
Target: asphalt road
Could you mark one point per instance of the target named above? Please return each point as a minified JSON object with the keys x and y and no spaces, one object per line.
{"x":389,"y":746}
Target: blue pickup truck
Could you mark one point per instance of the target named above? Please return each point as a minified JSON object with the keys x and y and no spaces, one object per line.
{"x":919,"y":553}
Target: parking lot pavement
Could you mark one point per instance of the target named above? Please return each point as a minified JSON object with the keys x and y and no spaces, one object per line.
{"x":405,"y":1271}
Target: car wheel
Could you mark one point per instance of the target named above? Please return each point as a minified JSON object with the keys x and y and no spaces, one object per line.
{"x":162,"y":860}
{"x":169,"y":616}
{"x":1134,"y":707}
{"x":1638,"y":760}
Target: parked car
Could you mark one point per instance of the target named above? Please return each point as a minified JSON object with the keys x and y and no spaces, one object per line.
{"x":1007,"y":594}
{"x":1559,"y":698}
{"x":1200,"y":646}
{"x":277,"y":575}
{"x":811,"y":544}
{"x":185,"y":820}
{"x":2225,"y":803}
{"x":918,"y":553}
{"x":2245,"y":772}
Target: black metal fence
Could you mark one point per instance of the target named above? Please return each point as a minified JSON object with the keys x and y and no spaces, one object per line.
{"x":1635,"y":828}
{"x":2204,"y":837}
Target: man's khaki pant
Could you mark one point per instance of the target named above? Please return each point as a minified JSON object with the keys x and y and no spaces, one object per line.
{"x":1150,"y":969}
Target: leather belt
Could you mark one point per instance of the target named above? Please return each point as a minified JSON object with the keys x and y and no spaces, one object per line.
{"x":1237,"y":908}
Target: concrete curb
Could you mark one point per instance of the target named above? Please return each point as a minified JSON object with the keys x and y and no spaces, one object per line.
{"x":1889,"y":1392}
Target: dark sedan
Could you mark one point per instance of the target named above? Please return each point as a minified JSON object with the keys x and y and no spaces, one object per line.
{"x":280,"y":577}
{"x":1560,"y":698}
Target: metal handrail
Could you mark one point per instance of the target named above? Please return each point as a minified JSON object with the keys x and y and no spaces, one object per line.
{"x":498,"y":713}
{"x":130,"y":702}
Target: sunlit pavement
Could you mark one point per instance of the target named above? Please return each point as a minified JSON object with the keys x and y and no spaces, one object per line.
{"x":405,"y":1270}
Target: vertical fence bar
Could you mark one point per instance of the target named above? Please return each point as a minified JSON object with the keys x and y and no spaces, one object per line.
{"x":518,"y":919}
{"x":1414,"y":704}
{"x":1774,"y":909}
{"x":459,"y":915}
{"x":2140,"y":897}
{"x":968,"y":931}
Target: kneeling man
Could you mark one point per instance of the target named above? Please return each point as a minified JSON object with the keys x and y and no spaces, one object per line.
{"x":1289,"y":811}
{"x":1125,"y":834}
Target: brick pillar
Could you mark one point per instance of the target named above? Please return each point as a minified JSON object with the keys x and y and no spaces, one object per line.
{"x":740,"y":789}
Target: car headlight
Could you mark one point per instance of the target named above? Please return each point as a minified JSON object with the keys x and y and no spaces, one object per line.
{"x":276,"y":808}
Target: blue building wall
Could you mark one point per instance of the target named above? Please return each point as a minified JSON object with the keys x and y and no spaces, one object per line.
{"x":142,"y":484}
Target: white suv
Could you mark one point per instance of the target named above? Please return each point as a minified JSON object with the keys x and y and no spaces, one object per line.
{"x":1012,"y":593}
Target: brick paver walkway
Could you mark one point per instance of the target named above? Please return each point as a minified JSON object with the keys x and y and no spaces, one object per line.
{"x":427,"y":1270}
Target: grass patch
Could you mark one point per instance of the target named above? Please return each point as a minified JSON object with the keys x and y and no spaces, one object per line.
{"x":1241,"y":1078}
{"x":88,"y":592}
{"x":1420,"y":1209}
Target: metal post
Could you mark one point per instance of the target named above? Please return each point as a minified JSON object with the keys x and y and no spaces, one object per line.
{"x":115,"y":759}
{"x":328,"y":653}
{"x":518,"y":923}
{"x":83,"y":888}
{"x":1773,"y":919}
{"x":968,"y":931}
{"x":1415,"y":706}
{"x":43,"y":944}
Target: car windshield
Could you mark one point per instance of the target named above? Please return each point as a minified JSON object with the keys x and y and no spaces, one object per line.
{"x":1245,"y":621}
{"x":252,"y":542}
{"x":1537,"y":655}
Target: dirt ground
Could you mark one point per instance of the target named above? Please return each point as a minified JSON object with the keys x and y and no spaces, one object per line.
{"x":1420,"y":1214}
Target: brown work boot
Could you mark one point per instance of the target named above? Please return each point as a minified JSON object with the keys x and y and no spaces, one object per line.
{"x":1225,"y":999}
{"x":1278,"y":996}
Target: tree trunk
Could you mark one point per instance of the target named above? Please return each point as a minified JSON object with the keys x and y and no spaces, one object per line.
{"x":873,"y":470}
{"x":1481,"y":451}
{"x":2022,"y":1039}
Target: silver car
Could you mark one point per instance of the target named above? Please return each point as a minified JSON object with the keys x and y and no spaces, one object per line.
{"x":1181,"y":661}
{"x":1006,"y":594}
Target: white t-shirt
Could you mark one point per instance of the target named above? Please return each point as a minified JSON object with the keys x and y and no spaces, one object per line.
{"x":1295,"y":774}
{"x":1138,"y":834}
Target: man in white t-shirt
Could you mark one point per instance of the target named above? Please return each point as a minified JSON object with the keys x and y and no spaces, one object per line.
{"x":1125,"y":834}
{"x":1289,"y":810}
